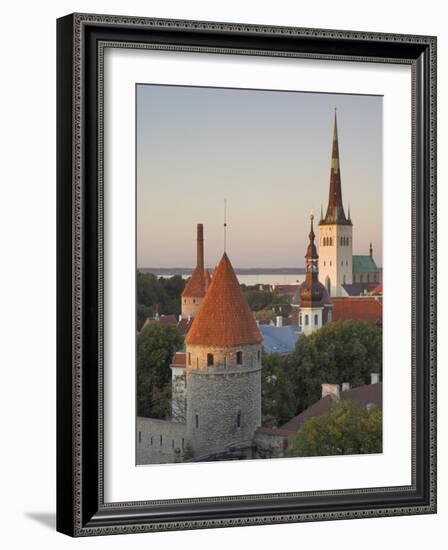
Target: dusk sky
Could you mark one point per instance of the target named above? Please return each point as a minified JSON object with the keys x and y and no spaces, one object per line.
{"x":268,"y":153}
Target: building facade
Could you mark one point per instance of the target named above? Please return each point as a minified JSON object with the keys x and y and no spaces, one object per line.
{"x":335,"y":232}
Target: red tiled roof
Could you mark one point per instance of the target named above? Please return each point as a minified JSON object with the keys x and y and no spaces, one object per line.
{"x":378,"y":290}
{"x":224,"y":317}
{"x":366,"y":395}
{"x":184,"y":325}
{"x":179,"y":360}
{"x":208,"y":279}
{"x":168,"y":320}
{"x":368,"y":309}
{"x":195,"y":286}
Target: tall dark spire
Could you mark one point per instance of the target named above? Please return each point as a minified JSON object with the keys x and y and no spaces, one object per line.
{"x":335,"y":210}
{"x":311,"y":291}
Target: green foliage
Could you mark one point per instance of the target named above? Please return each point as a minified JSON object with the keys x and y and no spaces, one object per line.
{"x":348,"y":428}
{"x":258,"y":299}
{"x":156,"y":295}
{"x":277,"y":390}
{"x":156,"y":345}
{"x":342,"y":351}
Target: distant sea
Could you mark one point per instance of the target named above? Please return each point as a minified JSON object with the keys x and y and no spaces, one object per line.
{"x":247,"y":276}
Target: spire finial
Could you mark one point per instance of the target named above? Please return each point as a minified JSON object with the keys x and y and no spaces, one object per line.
{"x":371,"y":249}
{"x":225,"y":224}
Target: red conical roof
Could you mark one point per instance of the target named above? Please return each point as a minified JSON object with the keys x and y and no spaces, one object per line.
{"x":208,"y":279}
{"x":195,"y":286}
{"x":224,"y":317}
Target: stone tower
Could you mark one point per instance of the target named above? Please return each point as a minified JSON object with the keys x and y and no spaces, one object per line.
{"x":223,"y":367}
{"x":335,"y":232}
{"x":195,"y":288}
{"x":315,"y":306}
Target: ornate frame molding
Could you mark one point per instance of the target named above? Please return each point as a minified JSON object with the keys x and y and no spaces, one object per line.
{"x":81,"y":42}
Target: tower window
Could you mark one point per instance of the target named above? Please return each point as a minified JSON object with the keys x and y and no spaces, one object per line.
{"x":197,"y":362}
{"x":194,"y":301}
{"x":172,"y":443}
{"x":139,"y":437}
{"x":306,"y":320}
{"x":196,"y":420}
{"x":161,"y":440}
{"x":239,"y":357}
{"x":185,"y":301}
{"x":152,"y":440}
{"x":259,"y":355}
{"x":300,"y":319}
{"x":209,"y":359}
{"x":316,"y":320}
{"x":238,"y":420}
{"x":189,"y":358}
{"x":183,"y":443}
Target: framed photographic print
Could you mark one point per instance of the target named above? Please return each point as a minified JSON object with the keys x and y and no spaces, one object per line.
{"x":246,"y":274}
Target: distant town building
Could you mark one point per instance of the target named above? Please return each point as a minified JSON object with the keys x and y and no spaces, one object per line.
{"x":338,"y":267}
{"x":196,"y":286}
{"x":335,"y":231}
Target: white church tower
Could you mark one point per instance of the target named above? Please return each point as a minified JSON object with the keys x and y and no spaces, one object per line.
{"x":335,"y":232}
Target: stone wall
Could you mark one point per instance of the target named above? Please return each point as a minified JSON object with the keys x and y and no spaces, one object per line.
{"x":190,"y":306}
{"x":224,"y":399}
{"x":160,"y":441}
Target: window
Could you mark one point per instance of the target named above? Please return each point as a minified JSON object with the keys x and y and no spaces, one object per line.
{"x":161,"y":440}
{"x":225,"y":361}
{"x":209,"y":359}
{"x":316,"y":320}
{"x":189,"y":358}
{"x":329,"y":315}
{"x":239,"y":357}
{"x":238,"y":420}
{"x":197,"y":362}
{"x":172,"y":443}
{"x":196,"y":420}
{"x":183,"y":443}
{"x":342,"y":241}
{"x":151,"y":440}
{"x":194,"y":301}
{"x":306,"y":320}
{"x":259,"y":355}
{"x":325,"y":263}
{"x":139,"y":437}
{"x":300,"y":319}
{"x":185,"y":301}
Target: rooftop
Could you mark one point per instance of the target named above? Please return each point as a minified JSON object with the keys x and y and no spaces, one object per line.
{"x":224,"y":317}
{"x":364,"y":264}
{"x":279,"y":339}
{"x":362,"y":308}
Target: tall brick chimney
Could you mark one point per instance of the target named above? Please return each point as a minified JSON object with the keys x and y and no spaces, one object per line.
{"x":200,"y":246}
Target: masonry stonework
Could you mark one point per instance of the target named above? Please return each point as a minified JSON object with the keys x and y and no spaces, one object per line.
{"x":223,"y":399}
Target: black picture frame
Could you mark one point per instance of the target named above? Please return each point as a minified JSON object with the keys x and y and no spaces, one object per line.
{"x":81,"y":510}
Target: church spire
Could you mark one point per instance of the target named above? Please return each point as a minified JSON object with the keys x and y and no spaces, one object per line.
{"x":311,"y":291}
{"x":335,"y":210}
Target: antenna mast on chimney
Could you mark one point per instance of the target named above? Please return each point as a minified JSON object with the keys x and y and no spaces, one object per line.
{"x":225,"y":224}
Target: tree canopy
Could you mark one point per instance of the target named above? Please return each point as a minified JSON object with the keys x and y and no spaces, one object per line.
{"x":348,"y":428}
{"x":341,"y":351}
{"x":155,"y":348}
{"x":157,"y":295}
{"x":277,"y":391}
